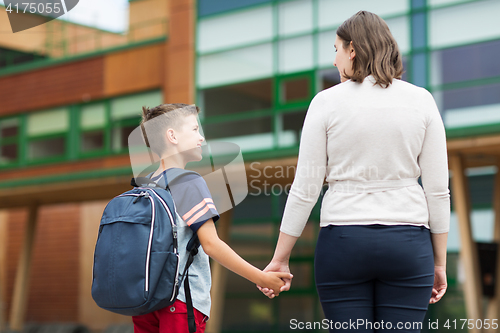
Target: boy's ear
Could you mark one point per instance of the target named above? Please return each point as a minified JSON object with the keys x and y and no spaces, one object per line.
{"x":171,"y":136}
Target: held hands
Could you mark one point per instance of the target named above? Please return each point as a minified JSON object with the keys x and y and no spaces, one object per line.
{"x":274,"y":281}
{"x":440,"y":284}
{"x":277,"y":270}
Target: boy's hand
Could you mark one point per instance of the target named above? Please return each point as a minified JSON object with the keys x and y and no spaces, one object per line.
{"x":273,"y":281}
{"x":275,"y":266}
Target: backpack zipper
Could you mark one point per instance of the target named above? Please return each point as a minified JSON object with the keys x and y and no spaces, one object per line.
{"x":150,"y":241}
{"x":174,"y":231}
{"x":146,"y":195}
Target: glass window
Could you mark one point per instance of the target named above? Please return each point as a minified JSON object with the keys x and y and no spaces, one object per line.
{"x":256,"y":95}
{"x":435,"y":3}
{"x":209,"y":7}
{"x":235,"y":29}
{"x":92,"y":140}
{"x":418,"y":30}
{"x":126,"y":115}
{"x":46,"y":148}
{"x":470,"y":106}
{"x":92,"y":125}
{"x":47,"y":122}
{"x":296,"y":54}
{"x":470,"y":96}
{"x":329,"y":78}
{"x":245,"y":127}
{"x":9,"y":128}
{"x":472,"y":116}
{"x":419,"y":69}
{"x":326,"y":49}
{"x":121,"y":132}
{"x":418,"y":4}
{"x":400,"y":29}
{"x":9,"y":131}
{"x":467,"y":23}
{"x":92,"y":116}
{"x":46,"y":132}
{"x":292,"y":123}
{"x":464,"y":63}
{"x":254,"y":206}
{"x":10,"y":57}
{"x":333,"y":12}
{"x":250,"y":134}
{"x":8,"y":153}
{"x":296,"y":89}
{"x":249,"y":63}
{"x":295,"y":17}
{"x":127,"y":106}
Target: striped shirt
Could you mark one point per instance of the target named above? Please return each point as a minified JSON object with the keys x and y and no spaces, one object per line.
{"x":194,"y":206}
{"x":193,"y":200}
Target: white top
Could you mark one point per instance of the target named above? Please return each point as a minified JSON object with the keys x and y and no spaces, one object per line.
{"x":372,"y":144}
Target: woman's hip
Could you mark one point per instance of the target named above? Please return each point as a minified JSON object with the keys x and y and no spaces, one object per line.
{"x":362,"y":252}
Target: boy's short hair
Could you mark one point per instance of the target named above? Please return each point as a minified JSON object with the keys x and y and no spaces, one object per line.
{"x":171,"y":115}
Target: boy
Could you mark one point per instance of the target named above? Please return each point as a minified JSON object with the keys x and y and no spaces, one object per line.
{"x":175,"y":137}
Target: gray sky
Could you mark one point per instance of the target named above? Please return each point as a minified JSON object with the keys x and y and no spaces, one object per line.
{"x":104,"y":14}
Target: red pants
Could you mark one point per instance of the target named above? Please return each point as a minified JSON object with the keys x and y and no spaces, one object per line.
{"x":172,"y":319}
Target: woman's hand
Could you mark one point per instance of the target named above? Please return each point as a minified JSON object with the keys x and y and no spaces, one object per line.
{"x":440,"y":284}
{"x":275,"y":266}
{"x":274,"y":281}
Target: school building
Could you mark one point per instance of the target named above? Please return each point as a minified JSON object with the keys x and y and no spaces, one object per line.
{"x":70,"y":95}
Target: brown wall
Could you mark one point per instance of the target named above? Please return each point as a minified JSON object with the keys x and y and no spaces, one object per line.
{"x":88,"y":312}
{"x":133,"y":70}
{"x":123,"y":72}
{"x":65,"y":237}
{"x":54,"y":279}
{"x":180,"y":53}
{"x":52,"y":86}
{"x":146,"y":17}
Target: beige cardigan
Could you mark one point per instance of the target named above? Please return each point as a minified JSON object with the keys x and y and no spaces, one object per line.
{"x":371,"y":144}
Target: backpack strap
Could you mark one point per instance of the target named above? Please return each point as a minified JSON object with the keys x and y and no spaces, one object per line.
{"x":147,"y":182}
{"x":187,"y":290}
{"x":192,"y":246}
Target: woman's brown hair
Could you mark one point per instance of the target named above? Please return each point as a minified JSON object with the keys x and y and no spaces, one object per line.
{"x":377,"y":52}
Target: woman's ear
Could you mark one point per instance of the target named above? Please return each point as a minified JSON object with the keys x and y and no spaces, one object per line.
{"x":352,"y":52}
{"x":171,"y":136}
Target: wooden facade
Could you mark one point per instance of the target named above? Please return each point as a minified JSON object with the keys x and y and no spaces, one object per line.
{"x":48,"y":232}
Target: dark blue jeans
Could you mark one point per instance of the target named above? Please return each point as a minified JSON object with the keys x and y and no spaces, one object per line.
{"x":374,"y":278}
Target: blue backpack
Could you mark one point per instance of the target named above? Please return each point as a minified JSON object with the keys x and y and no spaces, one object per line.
{"x":136,"y":259}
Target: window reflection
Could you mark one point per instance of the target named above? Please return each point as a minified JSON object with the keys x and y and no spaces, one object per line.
{"x":295,"y":89}
{"x":241,"y":97}
{"x":469,"y":62}
{"x":46,"y":148}
{"x":292,"y":128}
{"x":244,"y":127}
{"x":329,"y":78}
{"x":471,"y":96}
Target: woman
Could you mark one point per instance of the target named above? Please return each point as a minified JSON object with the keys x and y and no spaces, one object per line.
{"x":381,"y":252}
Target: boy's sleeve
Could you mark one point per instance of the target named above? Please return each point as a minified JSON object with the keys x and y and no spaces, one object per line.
{"x":193,"y":200}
